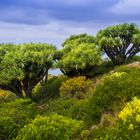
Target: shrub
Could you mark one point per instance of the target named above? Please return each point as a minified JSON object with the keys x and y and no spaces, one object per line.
{"x":20,"y":110}
{"x":49,"y":89}
{"x":77,"y":87}
{"x":127,"y":127}
{"x":8,"y":128}
{"x":79,"y":109}
{"x":74,"y":108}
{"x":114,"y":91}
{"x":100,"y":133}
{"x":54,"y":127}
{"x":6,"y":96}
{"x":103,"y":68}
{"x":60,"y":106}
{"x":135,"y":58}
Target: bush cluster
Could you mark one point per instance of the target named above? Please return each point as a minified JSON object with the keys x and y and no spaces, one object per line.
{"x":129,"y":121}
{"x":114,"y":91}
{"x":54,"y":127}
{"x":20,"y":110}
{"x":8,"y":128}
{"x":77,"y":87}
{"x":127,"y":125}
{"x":50,"y":89}
{"x":6,"y":96}
{"x":76,"y":109}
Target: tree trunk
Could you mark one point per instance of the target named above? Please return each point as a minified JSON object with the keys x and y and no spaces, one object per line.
{"x":44,"y":79}
{"x":14,"y":87}
{"x":19,"y":94}
{"x":28,"y":92}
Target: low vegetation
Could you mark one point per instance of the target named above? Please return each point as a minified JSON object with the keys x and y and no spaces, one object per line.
{"x":93,"y":98}
{"x":54,"y":127}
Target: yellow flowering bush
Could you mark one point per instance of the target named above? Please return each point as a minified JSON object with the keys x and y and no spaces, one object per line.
{"x":3,"y":94}
{"x":6,"y":96}
{"x":127,"y":125}
{"x":114,"y":92}
{"x":78,"y":87}
{"x":131,"y":111}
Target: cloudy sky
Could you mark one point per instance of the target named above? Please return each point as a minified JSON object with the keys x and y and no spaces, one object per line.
{"x":52,"y":21}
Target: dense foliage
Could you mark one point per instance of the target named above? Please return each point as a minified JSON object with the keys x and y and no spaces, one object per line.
{"x":114,"y":91}
{"x":51,"y":89}
{"x":120,"y":42}
{"x":130,"y":120}
{"x":74,"y":108}
{"x":21,"y":111}
{"x":54,"y":127}
{"x":8,"y":128}
{"x":24,"y":66}
{"x":77,"y":87}
{"x":6,"y":96}
{"x":127,"y":125}
{"x":79,"y":55}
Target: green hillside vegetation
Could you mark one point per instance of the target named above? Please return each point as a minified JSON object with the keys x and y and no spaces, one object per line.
{"x":93,"y":98}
